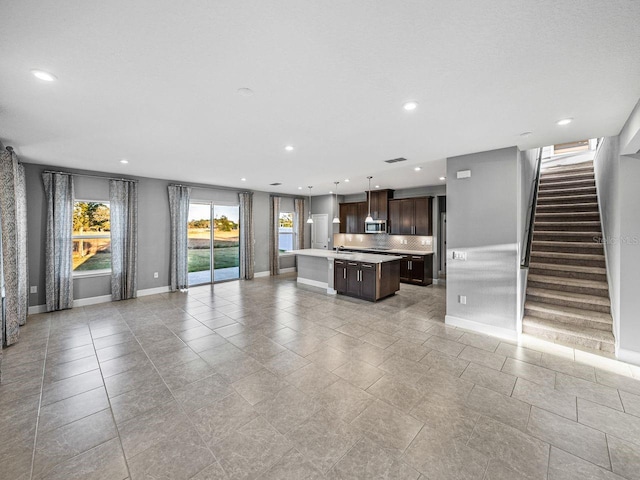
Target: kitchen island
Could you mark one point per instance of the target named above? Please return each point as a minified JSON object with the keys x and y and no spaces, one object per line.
{"x":362,"y":275}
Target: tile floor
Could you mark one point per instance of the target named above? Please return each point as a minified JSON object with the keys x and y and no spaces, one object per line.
{"x":270,"y":380}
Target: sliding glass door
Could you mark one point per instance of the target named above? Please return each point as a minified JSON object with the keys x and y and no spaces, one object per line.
{"x":213,"y":242}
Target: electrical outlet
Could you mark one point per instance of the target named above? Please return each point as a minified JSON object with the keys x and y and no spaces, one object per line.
{"x":155,"y":274}
{"x":33,"y":289}
{"x":462,"y":299}
{"x":460,"y":256}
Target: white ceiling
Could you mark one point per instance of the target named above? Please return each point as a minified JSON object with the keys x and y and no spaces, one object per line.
{"x":155,"y":81}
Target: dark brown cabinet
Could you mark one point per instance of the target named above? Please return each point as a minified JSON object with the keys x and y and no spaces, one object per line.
{"x":416,"y":269}
{"x":380,"y":203}
{"x":410,"y":216}
{"x":352,"y":216}
{"x":369,"y":281}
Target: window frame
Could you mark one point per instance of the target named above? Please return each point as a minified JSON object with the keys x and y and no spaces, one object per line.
{"x":98,"y":272}
{"x":292,"y":233}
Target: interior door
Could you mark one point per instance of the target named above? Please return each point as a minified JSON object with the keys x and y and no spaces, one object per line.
{"x":320,"y":231}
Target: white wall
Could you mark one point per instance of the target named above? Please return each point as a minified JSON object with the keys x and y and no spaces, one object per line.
{"x":482,"y":221}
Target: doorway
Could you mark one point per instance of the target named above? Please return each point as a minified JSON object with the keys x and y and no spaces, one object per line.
{"x":213,"y":243}
{"x":320,"y":231}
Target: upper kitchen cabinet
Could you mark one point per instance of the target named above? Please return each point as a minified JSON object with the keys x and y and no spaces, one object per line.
{"x":352,"y":216}
{"x":410,"y":216}
{"x":380,"y":203}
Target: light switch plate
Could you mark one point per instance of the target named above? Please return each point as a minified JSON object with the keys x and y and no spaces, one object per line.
{"x":33,"y":289}
{"x":457,"y":255}
{"x":462,"y":299}
{"x":463,"y":174}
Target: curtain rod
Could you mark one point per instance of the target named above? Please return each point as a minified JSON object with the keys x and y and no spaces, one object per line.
{"x":90,"y":176}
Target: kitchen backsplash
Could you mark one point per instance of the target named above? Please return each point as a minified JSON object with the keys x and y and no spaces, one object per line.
{"x":382,"y":240}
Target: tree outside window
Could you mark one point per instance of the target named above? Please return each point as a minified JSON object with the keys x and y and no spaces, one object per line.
{"x":91,"y":236}
{"x":285,"y":231}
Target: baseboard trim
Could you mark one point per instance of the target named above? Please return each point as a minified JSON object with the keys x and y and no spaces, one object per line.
{"x":35,"y":309}
{"x":84,"y":302}
{"x":628,"y":356}
{"x":481,"y":327}
{"x":313,"y":283}
{"x":268,"y":274}
{"x":154,"y":291}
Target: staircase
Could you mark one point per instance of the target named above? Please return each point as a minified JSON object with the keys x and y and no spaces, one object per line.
{"x":567,"y":292}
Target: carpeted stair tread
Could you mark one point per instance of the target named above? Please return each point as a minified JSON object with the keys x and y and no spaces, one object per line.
{"x":583,"y":245}
{"x":574,"y":282}
{"x":569,"y":207}
{"x":583,"y":182}
{"x":563,"y":191}
{"x":588,"y":226}
{"x":568,"y":258}
{"x":565,"y":199}
{"x":568,"y":268}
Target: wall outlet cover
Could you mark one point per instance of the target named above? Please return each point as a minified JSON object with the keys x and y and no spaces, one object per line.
{"x":462,"y":299}
{"x":33,"y":289}
{"x":155,"y":274}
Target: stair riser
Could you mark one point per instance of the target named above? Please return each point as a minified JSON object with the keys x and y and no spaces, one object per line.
{"x":568,"y":338}
{"x":568,"y":217}
{"x":599,"y":292}
{"x":567,"y":184}
{"x":539,"y":257}
{"x":579,"y":322}
{"x":566,"y":192}
{"x":567,"y":303}
{"x":556,"y":178}
{"x":582,"y":237}
{"x":567,"y":207}
{"x":588,"y":249}
{"x":566,"y":169}
{"x":598,"y":277}
{"x":572,"y":200}
{"x":567,"y":227}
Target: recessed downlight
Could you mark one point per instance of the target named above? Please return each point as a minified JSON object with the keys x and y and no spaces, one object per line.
{"x":42,"y":75}
{"x":346,"y":180}
{"x":377,"y":186}
{"x":410,"y":106}
{"x":417,"y":169}
{"x":299,"y":188}
{"x":526,"y":134}
{"x":243,"y":179}
{"x":289,"y":148}
{"x":245,"y":92}
{"x":564,"y":121}
{"x":443,"y":178}
{"x":124,"y":161}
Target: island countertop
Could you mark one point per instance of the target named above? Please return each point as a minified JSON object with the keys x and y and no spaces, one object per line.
{"x":356,"y":257}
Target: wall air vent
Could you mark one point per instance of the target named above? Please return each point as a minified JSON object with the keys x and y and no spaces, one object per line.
{"x":275,"y":184}
{"x":396,"y":160}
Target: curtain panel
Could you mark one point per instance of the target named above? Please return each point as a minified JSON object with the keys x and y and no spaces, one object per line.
{"x":179,"y":210}
{"x":123,"y":198}
{"x":299,"y":223}
{"x":13,"y":235}
{"x":246,"y":236}
{"x":59,"y":243}
{"x":274,"y":232}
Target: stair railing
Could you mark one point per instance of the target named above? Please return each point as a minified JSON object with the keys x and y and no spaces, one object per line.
{"x":526,"y":251}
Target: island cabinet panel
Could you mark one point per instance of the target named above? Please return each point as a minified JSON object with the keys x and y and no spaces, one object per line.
{"x":417,"y":269}
{"x":340,"y":275}
{"x":369,"y":281}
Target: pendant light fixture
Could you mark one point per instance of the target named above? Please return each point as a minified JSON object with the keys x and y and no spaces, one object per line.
{"x":336,"y":218}
{"x":309,"y":220}
{"x":369,"y":219}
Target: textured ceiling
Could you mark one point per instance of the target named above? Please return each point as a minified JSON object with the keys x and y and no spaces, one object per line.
{"x":155,"y":81}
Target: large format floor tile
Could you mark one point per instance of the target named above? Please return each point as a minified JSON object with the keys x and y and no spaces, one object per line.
{"x":268,"y":379}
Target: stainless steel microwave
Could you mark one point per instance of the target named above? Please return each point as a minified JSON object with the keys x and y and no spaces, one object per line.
{"x":377,"y":226}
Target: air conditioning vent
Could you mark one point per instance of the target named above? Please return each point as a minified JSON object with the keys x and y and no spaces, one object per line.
{"x":396,"y":160}
{"x":275,"y":184}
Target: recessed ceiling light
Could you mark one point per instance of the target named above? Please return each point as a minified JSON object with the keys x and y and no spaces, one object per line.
{"x":409,"y":106}
{"x":243,"y":179}
{"x":124,"y":160}
{"x":42,"y":75}
{"x":346,"y":179}
{"x":377,"y":186}
{"x":526,"y":134}
{"x":299,"y":188}
{"x":245,"y":92}
{"x":417,"y":169}
{"x":330,"y":191}
{"x":443,"y":178}
{"x":565,"y":121}
{"x":289,"y":148}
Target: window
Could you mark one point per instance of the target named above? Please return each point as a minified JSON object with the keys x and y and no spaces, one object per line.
{"x":91,"y":237}
{"x":285,"y":231}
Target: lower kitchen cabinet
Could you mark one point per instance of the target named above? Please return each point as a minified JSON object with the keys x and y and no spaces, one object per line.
{"x":369,"y":281}
{"x":416,"y":269}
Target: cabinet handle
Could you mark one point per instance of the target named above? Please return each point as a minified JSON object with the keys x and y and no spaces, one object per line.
{"x":353,"y":264}
{"x":344,"y":273}
{"x":410,"y":265}
{"x":367,"y":266}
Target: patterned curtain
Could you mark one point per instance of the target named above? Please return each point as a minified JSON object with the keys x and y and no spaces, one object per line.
{"x":179,"y":210}
{"x":274,"y":230}
{"x":123,"y":197}
{"x":246,"y":235}
{"x":13,"y":205}
{"x":59,"y":244}
{"x":299,"y":223}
